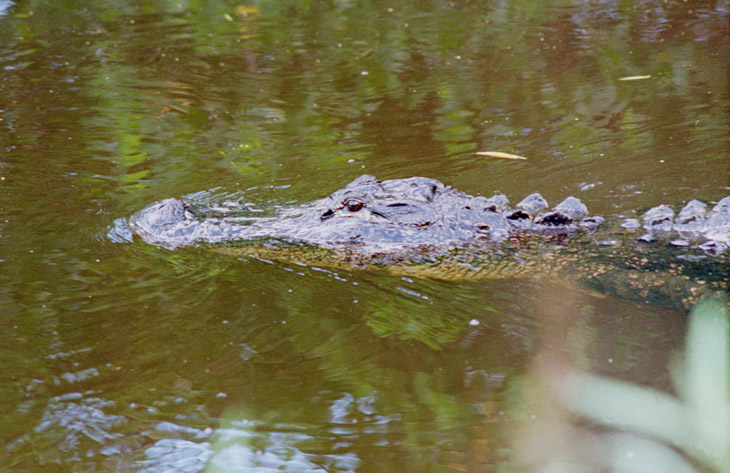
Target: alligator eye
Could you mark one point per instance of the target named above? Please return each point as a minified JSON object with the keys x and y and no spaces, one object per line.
{"x":353,"y":205}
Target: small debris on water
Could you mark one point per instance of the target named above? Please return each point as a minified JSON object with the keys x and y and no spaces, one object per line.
{"x":246,"y":352}
{"x":631,"y":224}
{"x":586,"y":186}
{"x":500,"y":154}
{"x":473,"y":322}
{"x":627,"y":78}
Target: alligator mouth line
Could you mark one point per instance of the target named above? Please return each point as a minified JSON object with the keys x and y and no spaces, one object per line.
{"x":375,"y":212}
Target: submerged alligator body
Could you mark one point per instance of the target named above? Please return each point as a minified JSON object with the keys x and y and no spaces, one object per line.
{"x":421,"y":226}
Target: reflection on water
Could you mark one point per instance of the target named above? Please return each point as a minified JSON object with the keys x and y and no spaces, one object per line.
{"x":242,"y":447}
{"x":118,"y":356}
{"x":4,"y":7}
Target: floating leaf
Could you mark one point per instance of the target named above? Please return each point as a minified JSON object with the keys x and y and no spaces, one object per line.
{"x":499,"y":154}
{"x":635,"y":78}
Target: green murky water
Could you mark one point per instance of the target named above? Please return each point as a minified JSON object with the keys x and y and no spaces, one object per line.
{"x":127,"y":357}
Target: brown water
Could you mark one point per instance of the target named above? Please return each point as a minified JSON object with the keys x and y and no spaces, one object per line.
{"x":127,"y":357}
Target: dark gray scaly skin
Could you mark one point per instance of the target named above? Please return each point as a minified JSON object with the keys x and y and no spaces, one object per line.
{"x":370,"y":217}
{"x":422,"y":227}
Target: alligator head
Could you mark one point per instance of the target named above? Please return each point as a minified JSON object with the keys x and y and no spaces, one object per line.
{"x":370,"y":218}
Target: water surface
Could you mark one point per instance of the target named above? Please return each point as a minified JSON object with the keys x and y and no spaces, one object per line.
{"x":126,"y":357}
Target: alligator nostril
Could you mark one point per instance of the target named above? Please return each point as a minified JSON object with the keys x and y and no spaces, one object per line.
{"x":326,"y":215}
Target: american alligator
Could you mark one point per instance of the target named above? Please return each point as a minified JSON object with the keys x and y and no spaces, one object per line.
{"x":423,"y":227}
